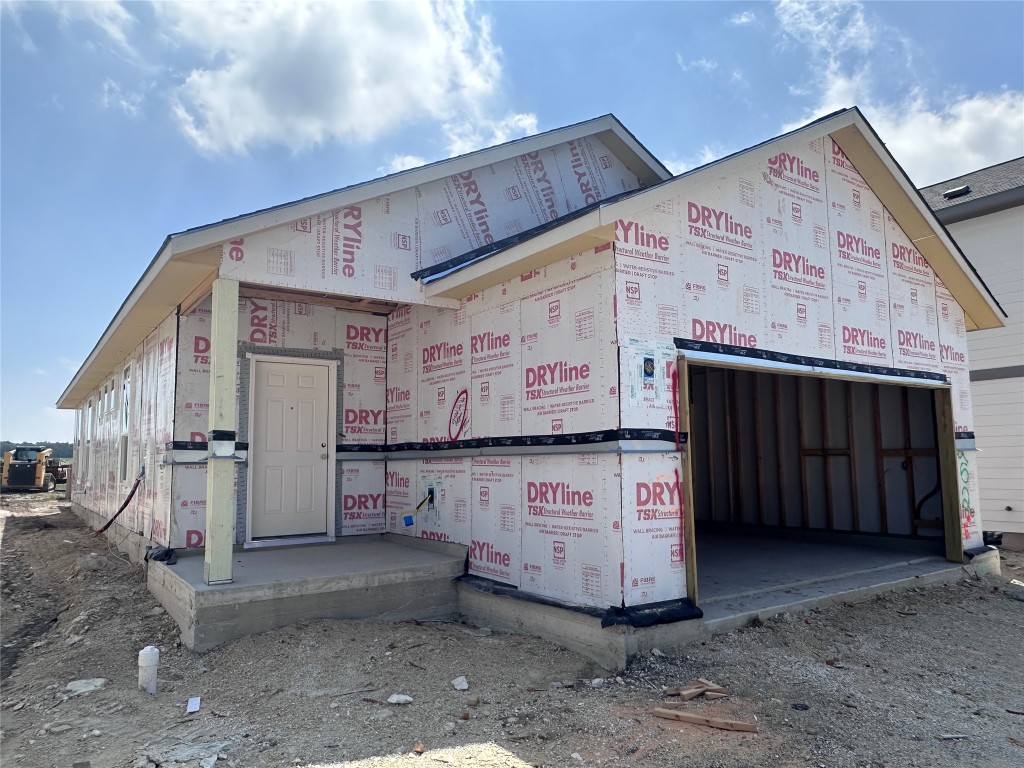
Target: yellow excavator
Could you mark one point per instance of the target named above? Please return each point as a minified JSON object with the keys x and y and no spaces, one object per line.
{"x":30,"y":468}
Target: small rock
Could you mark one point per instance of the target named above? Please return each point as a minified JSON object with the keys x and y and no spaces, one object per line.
{"x":73,"y":640}
{"x":598,"y":682}
{"x":399,"y":698}
{"x":58,"y":728}
{"x":86,"y":685}
{"x":656,"y":652}
{"x":460,"y":683}
{"x":18,"y":706}
{"x":576,"y":756}
{"x":555,"y":685}
{"x":95,"y":732}
{"x":382,"y":714}
{"x":156,"y":611}
{"x":801,"y":707}
{"x":335,"y":704}
{"x":472,"y":702}
{"x":449,"y":728}
{"x":208,"y":762}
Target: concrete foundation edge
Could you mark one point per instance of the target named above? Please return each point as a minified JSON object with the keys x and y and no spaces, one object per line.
{"x":129,"y":542}
{"x":204,"y":627}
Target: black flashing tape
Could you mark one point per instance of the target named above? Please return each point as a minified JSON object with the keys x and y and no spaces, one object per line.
{"x":543,"y":441}
{"x":973,"y":552}
{"x":222,"y":436}
{"x":652,"y":614}
{"x":814,"y":362}
{"x":360,"y":448}
{"x":963,"y":435}
{"x":189,"y":445}
{"x":636,"y":616}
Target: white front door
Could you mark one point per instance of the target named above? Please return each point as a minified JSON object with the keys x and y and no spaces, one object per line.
{"x":290,"y":449}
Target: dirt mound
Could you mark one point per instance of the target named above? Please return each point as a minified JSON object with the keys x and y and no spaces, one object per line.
{"x":933,"y":677}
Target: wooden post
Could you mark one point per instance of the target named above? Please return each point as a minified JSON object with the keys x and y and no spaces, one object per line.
{"x":945,"y":433}
{"x":686,"y":461}
{"x":220,"y":463}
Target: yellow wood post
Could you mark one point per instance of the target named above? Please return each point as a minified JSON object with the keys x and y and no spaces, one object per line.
{"x":686,"y":461}
{"x":946,"y":437}
{"x":220,"y":463}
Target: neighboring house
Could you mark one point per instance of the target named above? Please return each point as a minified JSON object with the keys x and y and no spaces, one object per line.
{"x":984,"y":212}
{"x":556,"y":356}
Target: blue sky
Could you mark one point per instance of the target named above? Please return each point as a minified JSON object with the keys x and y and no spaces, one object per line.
{"x":122,"y":123}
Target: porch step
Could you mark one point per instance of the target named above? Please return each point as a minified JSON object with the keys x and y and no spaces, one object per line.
{"x":368,"y":577}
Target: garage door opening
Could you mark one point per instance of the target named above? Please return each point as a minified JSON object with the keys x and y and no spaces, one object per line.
{"x":799,"y":478}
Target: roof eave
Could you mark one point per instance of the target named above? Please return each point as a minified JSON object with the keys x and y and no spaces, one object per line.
{"x":575,"y":236}
{"x":167,"y":281}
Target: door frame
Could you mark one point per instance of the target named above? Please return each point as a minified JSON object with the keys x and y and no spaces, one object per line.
{"x":332,"y":420}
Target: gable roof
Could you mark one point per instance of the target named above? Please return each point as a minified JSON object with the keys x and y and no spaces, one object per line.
{"x":978,"y":193}
{"x":187,"y":262}
{"x":595,"y":226}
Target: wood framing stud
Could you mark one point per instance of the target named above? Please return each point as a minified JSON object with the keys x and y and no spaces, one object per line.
{"x":686,"y":461}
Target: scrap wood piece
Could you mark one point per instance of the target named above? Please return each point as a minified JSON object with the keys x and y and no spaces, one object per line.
{"x":695,"y":688}
{"x":685,"y":692}
{"x":711,"y":722}
{"x":714,"y":695}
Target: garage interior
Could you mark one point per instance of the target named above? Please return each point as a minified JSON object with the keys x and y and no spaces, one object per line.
{"x":809,"y":485}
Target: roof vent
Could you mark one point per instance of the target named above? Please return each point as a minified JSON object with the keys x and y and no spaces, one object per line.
{"x":955,"y":192}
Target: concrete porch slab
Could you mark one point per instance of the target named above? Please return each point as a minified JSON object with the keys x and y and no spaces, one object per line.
{"x":395,"y":578}
{"x":357,"y":577}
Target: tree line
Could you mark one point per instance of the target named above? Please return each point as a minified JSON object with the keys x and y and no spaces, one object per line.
{"x":60,"y":450}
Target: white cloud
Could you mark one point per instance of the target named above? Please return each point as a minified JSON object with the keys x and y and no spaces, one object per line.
{"x":934,"y":137}
{"x":303,"y":74}
{"x":398,"y":163}
{"x":114,"y":96}
{"x":700,"y":65}
{"x":10,"y":10}
{"x":706,"y":155}
{"x":832,"y":28}
{"x":473,"y":130}
{"x":111,"y":17}
{"x":741,"y":19}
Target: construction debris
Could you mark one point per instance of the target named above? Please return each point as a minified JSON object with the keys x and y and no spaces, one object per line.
{"x":695,"y":688}
{"x":711,"y":722}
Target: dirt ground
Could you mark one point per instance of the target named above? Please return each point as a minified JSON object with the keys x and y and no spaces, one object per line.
{"x":929,"y":677}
